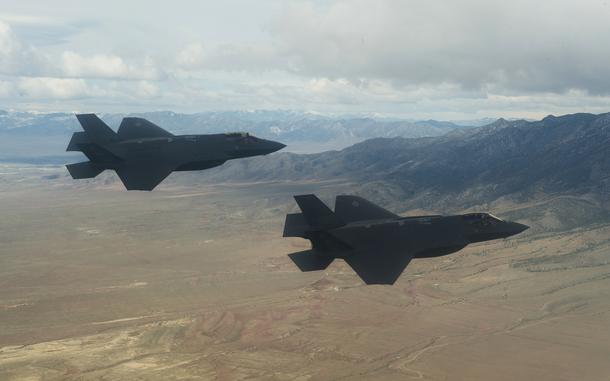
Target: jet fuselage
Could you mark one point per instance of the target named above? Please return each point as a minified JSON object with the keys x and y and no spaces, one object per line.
{"x":189,"y":152}
{"x":426,"y":236}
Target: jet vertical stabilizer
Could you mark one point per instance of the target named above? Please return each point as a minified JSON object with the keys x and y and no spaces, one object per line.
{"x":316,"y":213}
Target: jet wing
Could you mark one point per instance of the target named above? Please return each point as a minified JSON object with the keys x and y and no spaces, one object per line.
{"x":138,"y":128}
{"x":378,"y":267}
{"x":143,"y":176}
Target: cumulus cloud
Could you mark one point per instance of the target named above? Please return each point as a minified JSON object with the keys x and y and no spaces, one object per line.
{"x":191,"y":56}
{"x":20,"y":59}
{"x":59,"y":88}
{"x":42,"y":30}
{"x":502,"y":46}
{"x":146,"y":89}
{"x":17,"y":58}
{"x":6,"y":89}
{"x":230,"y":57}
{"x":411,"y":51}
{"x":106,"y":66}
{"x":412,"y":58}
{"x":31,"y":73}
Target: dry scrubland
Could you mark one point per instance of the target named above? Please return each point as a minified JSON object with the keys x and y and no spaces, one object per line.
{"x":99,"y":283}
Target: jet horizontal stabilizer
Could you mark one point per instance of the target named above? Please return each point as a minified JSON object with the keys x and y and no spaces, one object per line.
{"x":309,"y":260}
{"x":78,"y":138}
{"x":295,"y":225}
{"x":84,"y":170}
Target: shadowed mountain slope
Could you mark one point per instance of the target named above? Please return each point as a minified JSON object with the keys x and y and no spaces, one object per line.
{"x":557,"y":155}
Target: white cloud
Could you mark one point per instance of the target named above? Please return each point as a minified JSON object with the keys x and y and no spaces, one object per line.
{"x":20,"y":59}
{"x":105,"y":66}
{"x":17,"y":18}
{"x":192,"y":56}
{"x":15,"y":57}
{"x":6,"y":89}
{"x":147,"y":89}
{"x":9,"y":46}
{"x":53,"y":88}
{"x":519,"y":46}
{"x":230,"y":57}
{"x":400,"y":57}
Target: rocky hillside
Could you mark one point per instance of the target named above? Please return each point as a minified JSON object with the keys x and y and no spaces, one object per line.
{"x":517,"y":159}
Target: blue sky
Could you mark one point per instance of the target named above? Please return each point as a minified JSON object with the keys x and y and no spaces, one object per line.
{"x":409,"y":58}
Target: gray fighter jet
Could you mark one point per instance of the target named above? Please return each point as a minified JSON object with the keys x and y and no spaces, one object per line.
{"x":143,"y":154}
{"x":379,"y":244}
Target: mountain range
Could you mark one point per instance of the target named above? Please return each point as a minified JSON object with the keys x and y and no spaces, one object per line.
{"x":520,"y":160}
{"x":35,"y":137}
{"x":454,"y":168}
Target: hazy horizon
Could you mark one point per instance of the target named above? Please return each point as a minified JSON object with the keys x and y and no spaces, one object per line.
{"x":332,"y":115}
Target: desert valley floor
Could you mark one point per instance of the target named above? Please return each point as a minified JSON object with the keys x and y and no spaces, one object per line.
{"x":195,"y":284}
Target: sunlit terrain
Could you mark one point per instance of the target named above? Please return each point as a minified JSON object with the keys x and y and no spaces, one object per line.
{"x":194,"y":283}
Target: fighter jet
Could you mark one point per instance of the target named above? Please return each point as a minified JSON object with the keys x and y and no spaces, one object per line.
{"x":143,"y":154}
{"x":378,"y":244}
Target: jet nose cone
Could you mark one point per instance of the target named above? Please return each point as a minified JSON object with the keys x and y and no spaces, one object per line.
{"x":516,"y":228}
{"x":275,"y":146}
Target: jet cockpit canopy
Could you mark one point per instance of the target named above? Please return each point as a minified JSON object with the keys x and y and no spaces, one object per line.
{"x":481,"y":219}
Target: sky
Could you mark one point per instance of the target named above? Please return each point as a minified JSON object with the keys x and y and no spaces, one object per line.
{"x":419,"y":59}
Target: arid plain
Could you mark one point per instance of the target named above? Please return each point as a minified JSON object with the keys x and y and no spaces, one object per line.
{"x":195,"y":284}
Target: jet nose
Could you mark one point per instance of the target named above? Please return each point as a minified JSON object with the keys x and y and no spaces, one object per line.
{"x":516,"y":228}
{"x":275,"y":146}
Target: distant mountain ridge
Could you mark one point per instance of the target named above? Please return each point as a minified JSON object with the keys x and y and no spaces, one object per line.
{"x":568,"y":154}
{"x":553,"y":174}
{"x":556,"y":155}
{"x":29,"y":135}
